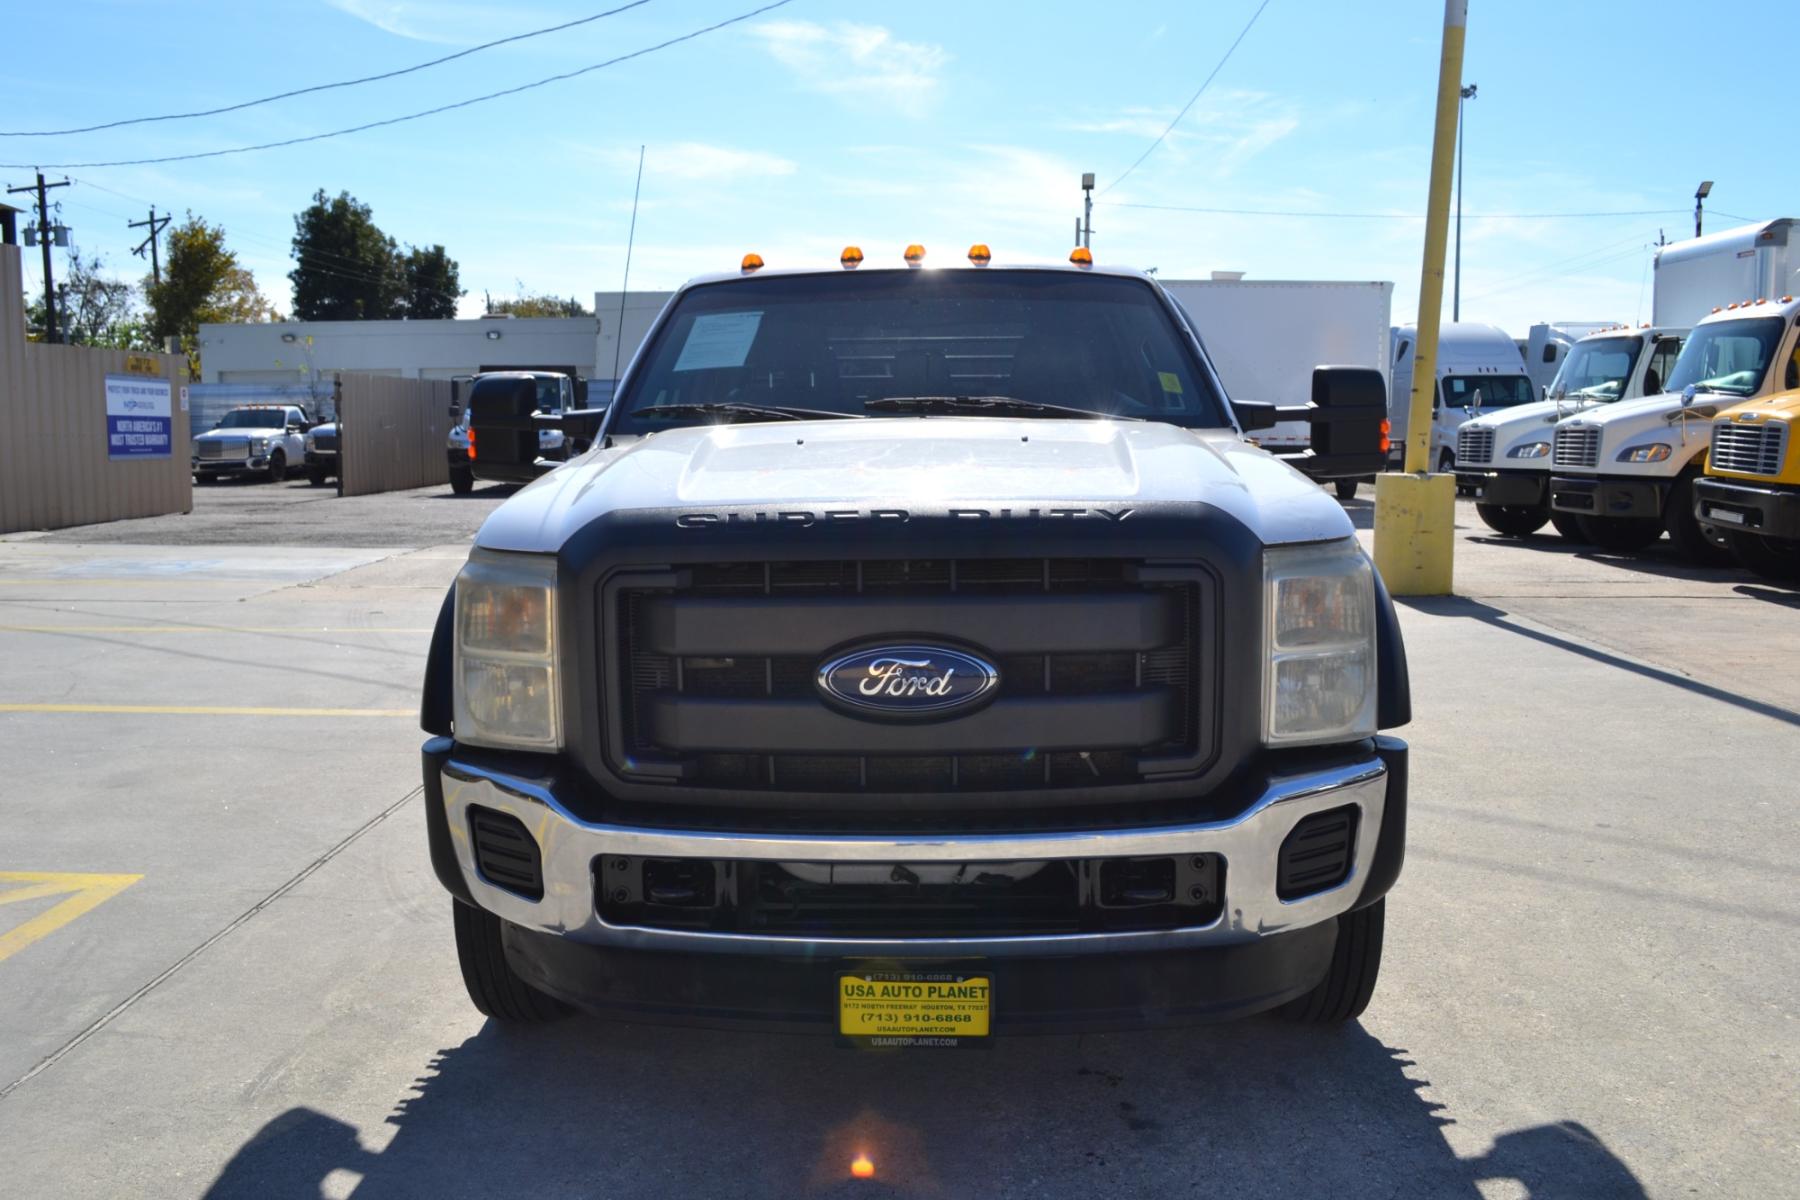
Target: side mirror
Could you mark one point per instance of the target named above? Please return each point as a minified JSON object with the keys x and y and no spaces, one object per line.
{"x":1349,"y":420}
{"x":1255,"y":414}
{"x":503,"y":418}
{"x":1687,"y":395}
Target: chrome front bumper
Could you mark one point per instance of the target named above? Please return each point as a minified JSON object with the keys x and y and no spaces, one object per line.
{"x":1248,"y":842}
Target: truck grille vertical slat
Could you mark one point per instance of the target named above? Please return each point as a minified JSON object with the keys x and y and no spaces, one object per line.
{"x":1749,"y":448}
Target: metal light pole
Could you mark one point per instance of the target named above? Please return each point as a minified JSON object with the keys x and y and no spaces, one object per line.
{"x":1086,"y":229}
{"x":1467,"y":93}
{"x":1700,"y":195}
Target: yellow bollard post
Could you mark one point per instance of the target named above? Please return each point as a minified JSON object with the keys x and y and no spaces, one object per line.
{"x":1415,"y":513}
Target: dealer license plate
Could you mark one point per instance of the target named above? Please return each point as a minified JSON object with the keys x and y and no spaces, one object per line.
{"x":897,"y":1009}
{"x":1723,"y":514}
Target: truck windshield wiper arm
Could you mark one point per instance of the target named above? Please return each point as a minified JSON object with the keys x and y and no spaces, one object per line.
{"x":1001,"y":405}
{"x":734,"y":409}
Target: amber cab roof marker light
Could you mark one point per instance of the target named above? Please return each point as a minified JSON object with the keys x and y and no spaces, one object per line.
{"x":980,"y":255}
{"x":1081,"y":256}
{"x":915,"y":255}
{"x":851,"y":258}
{"x":751,"y":263}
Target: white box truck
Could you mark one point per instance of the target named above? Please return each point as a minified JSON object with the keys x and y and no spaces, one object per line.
{"x":1479,"y":369}
{"x":1548,"y":343}
{"x":1697,"y":277}
{"x":1265,"y":336}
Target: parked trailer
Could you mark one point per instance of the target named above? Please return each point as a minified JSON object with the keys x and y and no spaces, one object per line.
{"x":1265,"y":336}
{"x":1547,"y":344}
{"x":1696,"y":276}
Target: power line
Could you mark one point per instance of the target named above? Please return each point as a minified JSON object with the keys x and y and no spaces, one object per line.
{"x":442,"y":108}
{"x":1191,"y":99}
{"x":326,"y":87}
{"x":1393,"y":216}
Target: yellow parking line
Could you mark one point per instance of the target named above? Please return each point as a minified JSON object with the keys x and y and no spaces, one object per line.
{"x":206,"y":710}
{"x":193,"y":629}
{"x":90,"y":891}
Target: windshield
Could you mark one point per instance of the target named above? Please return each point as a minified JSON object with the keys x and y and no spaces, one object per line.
{"x":1497,"y":391}
{"x":253,"y":418}
{"x":1597,"y":370}
{"x":1729,"y":357}
{"x":835,"y":343}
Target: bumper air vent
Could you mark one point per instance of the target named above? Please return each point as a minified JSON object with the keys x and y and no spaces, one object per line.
{"x":1317,"y":854}
{"x":505,"y":853}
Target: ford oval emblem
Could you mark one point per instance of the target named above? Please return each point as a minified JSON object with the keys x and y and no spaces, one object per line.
{"x":908,"y":681}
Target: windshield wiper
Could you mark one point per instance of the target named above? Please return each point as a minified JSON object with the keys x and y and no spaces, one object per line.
{"x":1007,"y":406}
{"x":734,"y":409}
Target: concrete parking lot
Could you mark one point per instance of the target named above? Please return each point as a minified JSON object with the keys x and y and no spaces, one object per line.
{"x":226,"y":969}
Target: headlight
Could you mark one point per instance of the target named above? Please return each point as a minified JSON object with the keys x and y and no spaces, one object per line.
{"x":311,"y":443}
{"x":1654,"y":452}
{"x":1529,"y":450}
{"x":506,"y":652}
{"x":1319,"y":644}
{"x":259,"y":445}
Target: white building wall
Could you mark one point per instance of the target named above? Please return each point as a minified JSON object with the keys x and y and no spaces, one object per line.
{"x":299,"y":351}
{"x":640,"y":311}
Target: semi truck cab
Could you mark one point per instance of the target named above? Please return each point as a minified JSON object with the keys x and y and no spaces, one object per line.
{"x":1626,"y":470}
{"x":1750,"y":494}
{"x":1503,"y":456}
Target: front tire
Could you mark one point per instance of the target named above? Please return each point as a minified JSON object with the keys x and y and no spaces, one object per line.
{"x":1355,"y":964}
{"x":493,"y":986}
{"x":316,"y":476}
{"x":277,"y":467}
{"x":1695,"y":542}
{"x":1514,"y":520}
{"x":1772,"y":558}
{"x":1620,"y":534}
{"x":462,"y":481}
{"x":1346,"y":489}
{"x":1569,"y":525}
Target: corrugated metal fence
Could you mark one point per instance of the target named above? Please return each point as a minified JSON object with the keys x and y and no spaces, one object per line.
{"x":393,"y":432}
{"x":58,"y":465}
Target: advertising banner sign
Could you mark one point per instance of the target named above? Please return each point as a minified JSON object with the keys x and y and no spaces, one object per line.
{"x":138,"y":421}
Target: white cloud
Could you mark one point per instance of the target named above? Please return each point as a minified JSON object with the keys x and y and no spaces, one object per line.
{"x":450,"y":24}
{"x":1222,"y":133}
{"x":698,"y":160}
{"x":862,"y":63}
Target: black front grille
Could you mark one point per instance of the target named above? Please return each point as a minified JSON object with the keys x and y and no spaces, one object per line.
{"x":1318,"y":853}
{"x":697,"y":661}
{"x":902,"y":900}
{"x":505,"y":853}
{"x":326,"y":442}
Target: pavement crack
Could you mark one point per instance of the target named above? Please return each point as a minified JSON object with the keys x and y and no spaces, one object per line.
{"x":293,"y":882}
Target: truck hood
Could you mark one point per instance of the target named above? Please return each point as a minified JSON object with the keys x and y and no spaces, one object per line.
{"x":1523,"y":423}
{"x":921,"y":463}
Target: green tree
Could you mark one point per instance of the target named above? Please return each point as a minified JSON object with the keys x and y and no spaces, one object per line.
{"x":432,"y":287}
{"x":539,"y":304}
{"x":202,"y":282}
{"x":345,"y":268}
{"x":92,"y":309}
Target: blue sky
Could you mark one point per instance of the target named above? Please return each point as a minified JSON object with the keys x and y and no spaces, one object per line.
{"x":834,"y":121}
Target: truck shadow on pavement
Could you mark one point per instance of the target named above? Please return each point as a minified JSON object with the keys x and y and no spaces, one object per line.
{"x":592,"y":1109}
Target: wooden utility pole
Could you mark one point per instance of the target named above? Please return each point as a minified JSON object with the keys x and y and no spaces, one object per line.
{"x":155,"y":225}
{"x":45,"y":233}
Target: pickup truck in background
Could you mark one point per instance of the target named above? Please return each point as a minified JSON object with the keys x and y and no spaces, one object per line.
{"x":514,"y":455}
{"x":921,"y":656}
{"x":264,"y":439}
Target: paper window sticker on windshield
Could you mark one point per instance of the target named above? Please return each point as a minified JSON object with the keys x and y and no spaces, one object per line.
{"x":718,"y":340}
{"x":1171,"y":382}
